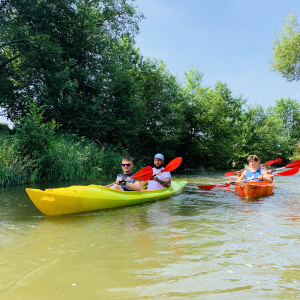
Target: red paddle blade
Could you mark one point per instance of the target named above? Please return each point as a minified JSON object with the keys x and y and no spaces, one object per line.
{"x":288,"y":172}
{"x":296,"y":163}
{"x":173,"y":164}
{"x":143,"y":174}
{"x":230,"y":173}
{"x":223,"y":185}
{"x":209,"y":187}
{"x":271,"y":162}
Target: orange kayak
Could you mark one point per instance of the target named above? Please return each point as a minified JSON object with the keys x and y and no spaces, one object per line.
{"x":254,"y":189}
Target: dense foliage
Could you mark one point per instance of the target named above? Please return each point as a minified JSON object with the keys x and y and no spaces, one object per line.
{"x":81,"y":96}
{"x":286,"y":51}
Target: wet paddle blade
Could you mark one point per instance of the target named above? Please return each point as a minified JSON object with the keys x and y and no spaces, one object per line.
{"x":173,"y":164}
{"x":288,"y":172}
{"x":209,"y":187}
{"x":296,"y":163}
{"x":223,"y":185}
{"x":206,"y":187}
{"x":230,"y":173}
{"x":143,"y":174}
{"x":270,"y":162}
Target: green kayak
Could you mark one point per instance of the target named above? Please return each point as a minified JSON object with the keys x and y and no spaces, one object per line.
{"x":76,"y":199}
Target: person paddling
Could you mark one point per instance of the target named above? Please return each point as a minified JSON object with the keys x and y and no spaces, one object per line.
{"x":254,"y":171}
{"x":124,"y":181}
{"x":159,"y":179}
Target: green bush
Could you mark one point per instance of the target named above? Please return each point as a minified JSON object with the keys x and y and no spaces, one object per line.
{"x":34,"y":152}
{"x":4,"y":128}
{"x":74,"y":158}
{"x":14,"y":170}
{"x":33,"y":137}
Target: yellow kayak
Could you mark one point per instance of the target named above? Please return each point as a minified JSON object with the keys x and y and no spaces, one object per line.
{"x":76,"y":199}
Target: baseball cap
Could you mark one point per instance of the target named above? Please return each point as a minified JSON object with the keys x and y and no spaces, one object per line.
{"x":159,"y":156}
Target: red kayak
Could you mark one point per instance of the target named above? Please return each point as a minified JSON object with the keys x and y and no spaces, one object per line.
{"x":254,"y":189}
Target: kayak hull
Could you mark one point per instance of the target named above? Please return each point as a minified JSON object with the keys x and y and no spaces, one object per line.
{"x":76,"y":199}
{"x":255,"y":189}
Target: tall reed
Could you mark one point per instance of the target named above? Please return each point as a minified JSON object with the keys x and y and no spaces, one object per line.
{"x":14,"y":170}
{"x":72,"y":158}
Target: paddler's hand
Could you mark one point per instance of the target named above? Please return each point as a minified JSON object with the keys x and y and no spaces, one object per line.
{"x":260,"y":177}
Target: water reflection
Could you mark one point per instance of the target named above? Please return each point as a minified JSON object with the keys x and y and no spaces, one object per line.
{"x":200,"y":244}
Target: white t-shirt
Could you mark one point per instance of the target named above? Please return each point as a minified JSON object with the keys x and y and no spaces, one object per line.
{"x":154,"y":185}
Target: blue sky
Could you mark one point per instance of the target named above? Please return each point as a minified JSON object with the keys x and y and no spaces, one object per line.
{"x":226,"y":40}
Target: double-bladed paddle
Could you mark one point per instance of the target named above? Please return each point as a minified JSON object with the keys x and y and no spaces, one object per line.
{"x":268,"y":163}
{"x":294,"y":168}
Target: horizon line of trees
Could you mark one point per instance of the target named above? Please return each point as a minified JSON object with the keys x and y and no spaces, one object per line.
{"x":74,"y":62}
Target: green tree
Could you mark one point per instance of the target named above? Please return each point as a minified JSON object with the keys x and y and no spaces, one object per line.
{"x":286,"y":51}
{"x":159,"y":94}
{"x":288,"y":111}
{"x":72,"y":56}
{"x":261,"y":134}
{"x":34,"y":138}
{"x":211,"y":118}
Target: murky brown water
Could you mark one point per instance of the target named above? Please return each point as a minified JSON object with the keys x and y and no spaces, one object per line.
{"x":197,"y":245}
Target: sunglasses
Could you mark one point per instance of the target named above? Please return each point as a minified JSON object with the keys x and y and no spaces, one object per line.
{"x":126,"y":165}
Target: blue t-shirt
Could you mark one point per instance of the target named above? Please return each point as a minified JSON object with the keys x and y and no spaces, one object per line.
{"x":253,"y":175}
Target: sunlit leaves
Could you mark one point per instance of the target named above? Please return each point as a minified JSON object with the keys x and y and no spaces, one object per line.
{"x":286,"y":50}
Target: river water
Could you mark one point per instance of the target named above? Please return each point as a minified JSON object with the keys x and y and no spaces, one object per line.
{"x":198,"y":245}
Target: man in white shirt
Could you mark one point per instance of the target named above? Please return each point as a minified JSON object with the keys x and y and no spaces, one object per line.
{"x":160,"y":179}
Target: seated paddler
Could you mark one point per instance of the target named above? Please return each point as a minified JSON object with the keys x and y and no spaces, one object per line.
{"x":159,"y":179}
{"x":124,"y":181}
{"x":254,"y":171}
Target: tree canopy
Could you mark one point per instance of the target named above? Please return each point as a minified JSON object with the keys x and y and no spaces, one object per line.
{"x":75,"y":62}
{"x":286,"y":51}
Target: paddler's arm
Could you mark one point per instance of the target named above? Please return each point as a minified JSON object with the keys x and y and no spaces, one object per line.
{"x":134,"y":186}
{"x":242,"y":177}
{"x":264,"y":176}
{"x":138,"y":185}
{"x":165,"y":183}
